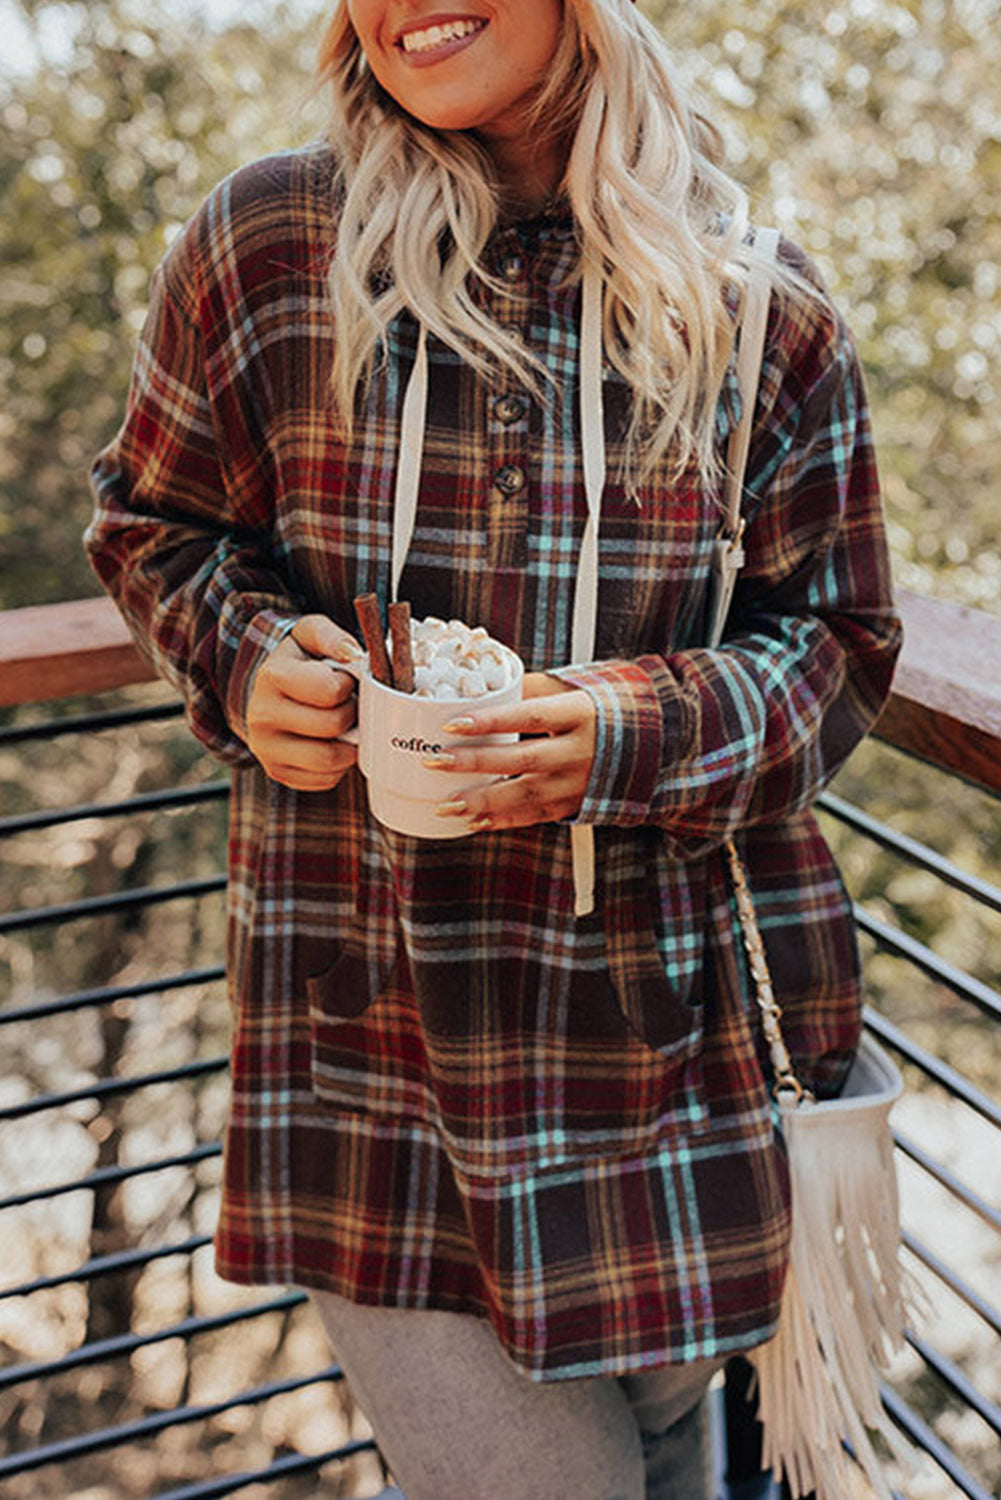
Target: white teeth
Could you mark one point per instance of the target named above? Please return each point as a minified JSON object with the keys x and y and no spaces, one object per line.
{"x":434,"y":36}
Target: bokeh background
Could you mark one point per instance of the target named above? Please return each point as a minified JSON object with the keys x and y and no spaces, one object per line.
{"x":870,"y":131}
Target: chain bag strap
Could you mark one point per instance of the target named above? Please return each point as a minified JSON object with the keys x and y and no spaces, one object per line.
{"x":727,"y":561}
{"x":842,"y":1315}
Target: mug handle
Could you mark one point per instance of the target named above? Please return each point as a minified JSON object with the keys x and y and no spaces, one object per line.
{"x":356,"y":668}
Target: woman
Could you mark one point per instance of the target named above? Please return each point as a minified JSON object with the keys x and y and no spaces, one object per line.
{"x":516,"y":1141}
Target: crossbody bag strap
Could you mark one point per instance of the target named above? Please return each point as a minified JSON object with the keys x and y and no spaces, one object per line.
{"x":728,"y":559}
{"x":728,"y":548}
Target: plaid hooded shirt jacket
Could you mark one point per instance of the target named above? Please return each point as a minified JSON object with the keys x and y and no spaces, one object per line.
{"x":446,"y":1090}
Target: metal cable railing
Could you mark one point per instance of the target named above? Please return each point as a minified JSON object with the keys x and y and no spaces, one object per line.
{"x":85,"y":1096}
{"x":107,"y":1265}
{"x":911,"y":850}
{"x":948,"y":1180}
{"x":108,"y":1088}
{"x":109,"y":1177}
{"x":129,"y":906}
{"x":103,"y":906}
{"x":952,"y":1376}
{"x":178,"y":1416}
{"x":927,"y":1441}
{"x":178,"y":797}
{"x":951,"y":1080}
{"x":110,"y":994}
{"x":893,"y":940}
{"x":126,"y":1344}
{"x":115,"y":718}
{"x":985,"y":1001}
{"x":282,"y":1468}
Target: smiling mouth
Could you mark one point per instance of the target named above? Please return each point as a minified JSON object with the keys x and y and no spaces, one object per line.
{"x":433,"y":37}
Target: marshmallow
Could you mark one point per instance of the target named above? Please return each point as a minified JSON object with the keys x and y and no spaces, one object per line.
{"x":453,"y":660}
{"x":472,"y":683}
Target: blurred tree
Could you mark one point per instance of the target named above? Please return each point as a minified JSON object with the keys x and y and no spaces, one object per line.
{"x":870,"y":131}
{"x":101,"y":160}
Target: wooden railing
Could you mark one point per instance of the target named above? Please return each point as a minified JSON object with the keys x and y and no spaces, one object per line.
{"x":945,"y":706}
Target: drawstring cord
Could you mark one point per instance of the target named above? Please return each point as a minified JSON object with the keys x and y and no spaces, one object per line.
{"x":413,"y":421}
{"x":585,"y":604}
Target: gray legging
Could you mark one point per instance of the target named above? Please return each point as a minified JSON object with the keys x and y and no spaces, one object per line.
{"x":456,"y":1420}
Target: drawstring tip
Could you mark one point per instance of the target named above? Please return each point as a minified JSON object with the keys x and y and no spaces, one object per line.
{"x":582,"y":843}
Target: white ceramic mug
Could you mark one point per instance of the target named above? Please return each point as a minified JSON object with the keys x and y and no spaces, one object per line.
{"x":395,"y":732}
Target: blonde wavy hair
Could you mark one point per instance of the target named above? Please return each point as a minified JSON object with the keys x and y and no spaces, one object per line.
{"x":652,"y":206}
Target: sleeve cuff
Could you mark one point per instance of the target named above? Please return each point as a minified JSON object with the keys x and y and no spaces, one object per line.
{"x":266,"y":630}
{"x":631,"y":733}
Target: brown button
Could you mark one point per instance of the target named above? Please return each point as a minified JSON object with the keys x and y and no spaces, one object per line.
{"x":510,"y":479}
{"x":512,"y":267}
{"x":510,"y":408}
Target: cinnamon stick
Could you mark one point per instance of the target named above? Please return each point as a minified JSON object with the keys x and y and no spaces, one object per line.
{"x":403,"y":656}
{"x":370,"y":623}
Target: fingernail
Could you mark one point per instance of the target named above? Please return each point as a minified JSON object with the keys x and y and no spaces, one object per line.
{"x":347,"y":652}
{"x":453,"y":808}
{"x":481,"y":824}
{"x":458,"y":726}
{"x":440,"y":761}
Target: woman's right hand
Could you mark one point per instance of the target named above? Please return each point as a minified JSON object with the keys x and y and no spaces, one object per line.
{"x":299,"y":704}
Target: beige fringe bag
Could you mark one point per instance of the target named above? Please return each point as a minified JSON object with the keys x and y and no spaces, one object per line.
{"x":842,"y":1315}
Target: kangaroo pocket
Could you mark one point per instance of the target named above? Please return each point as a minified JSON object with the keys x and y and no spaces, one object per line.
{"x":570,"y":1042}
{"x":367,"y":1054}
{"x":546,"y":1069}
{"x":524,"y":1037}
{"x":654,"y":925}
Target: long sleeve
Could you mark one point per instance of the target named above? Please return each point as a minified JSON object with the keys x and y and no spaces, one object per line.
{"x":701,"y":742}
{"x":174,"y":538}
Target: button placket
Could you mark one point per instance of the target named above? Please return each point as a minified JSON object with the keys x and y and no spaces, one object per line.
{"x":508,"y":507}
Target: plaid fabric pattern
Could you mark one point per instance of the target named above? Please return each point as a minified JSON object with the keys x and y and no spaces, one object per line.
{"x":448,"y":1092}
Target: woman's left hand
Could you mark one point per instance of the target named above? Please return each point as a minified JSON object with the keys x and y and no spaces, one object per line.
{"x":547,"y":773}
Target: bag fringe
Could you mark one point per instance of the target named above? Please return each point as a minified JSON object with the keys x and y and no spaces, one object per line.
{"x":843,"y":1308}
